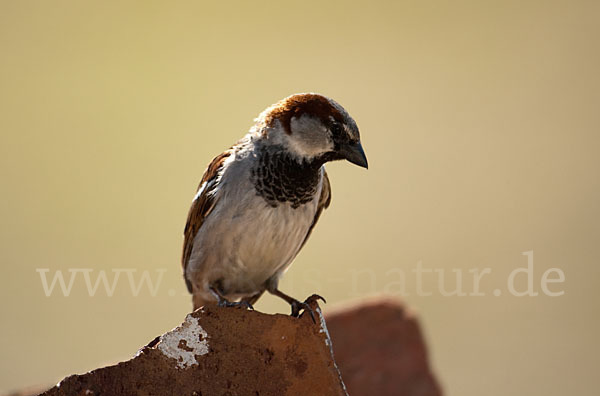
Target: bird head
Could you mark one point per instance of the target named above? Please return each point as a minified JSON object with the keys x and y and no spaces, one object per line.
{"x":312,"y":127}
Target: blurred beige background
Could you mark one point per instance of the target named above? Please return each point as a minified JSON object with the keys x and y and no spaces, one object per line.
{"x":481,"y":121}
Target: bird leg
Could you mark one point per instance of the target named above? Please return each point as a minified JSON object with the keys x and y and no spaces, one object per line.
{"x":223,"y":302}
{"x":296,"y":305}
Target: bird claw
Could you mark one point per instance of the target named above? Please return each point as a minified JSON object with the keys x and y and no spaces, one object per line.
{"x":238,"y":304}
{"x":314,"y":298}
{"x":298,"y":306}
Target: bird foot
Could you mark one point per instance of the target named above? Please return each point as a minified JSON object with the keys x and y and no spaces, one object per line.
{"x":238,"y":304}
{"x":298,"y":306}
{"x":223,"y":302}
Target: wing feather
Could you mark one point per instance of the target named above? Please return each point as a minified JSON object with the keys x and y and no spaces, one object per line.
{"x":324,"y":201}
{"x":201,"y":207}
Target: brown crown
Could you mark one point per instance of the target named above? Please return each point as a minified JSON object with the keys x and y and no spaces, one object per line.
{"x":298,"y":105}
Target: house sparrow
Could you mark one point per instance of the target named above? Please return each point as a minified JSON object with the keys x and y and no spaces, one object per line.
{"x":258,"y":201}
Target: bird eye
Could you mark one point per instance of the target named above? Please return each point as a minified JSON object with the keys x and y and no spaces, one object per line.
{"x":336,"y":130}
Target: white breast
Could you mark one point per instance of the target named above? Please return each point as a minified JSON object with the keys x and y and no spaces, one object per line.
{"x":244,"y":242}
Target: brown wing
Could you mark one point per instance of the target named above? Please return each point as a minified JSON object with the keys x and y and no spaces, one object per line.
{"x":201,"y":206}
{"x":324,"y":201}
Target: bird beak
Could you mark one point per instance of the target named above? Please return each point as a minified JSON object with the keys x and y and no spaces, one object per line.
{"x":354,"y":153}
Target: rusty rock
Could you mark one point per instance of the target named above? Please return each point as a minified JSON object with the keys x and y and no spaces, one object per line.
{"x":379,"y":350}
{"x":223,"y":351}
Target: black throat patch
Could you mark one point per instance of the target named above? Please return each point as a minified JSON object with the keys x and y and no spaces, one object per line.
{"x":279,"y":178}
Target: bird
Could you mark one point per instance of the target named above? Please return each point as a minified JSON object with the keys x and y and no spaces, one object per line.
{"x":259,"y":201}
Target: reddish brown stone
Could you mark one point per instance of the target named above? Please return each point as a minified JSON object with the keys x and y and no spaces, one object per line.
{"x":223,"y":351}
{"x":380,"y":351}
